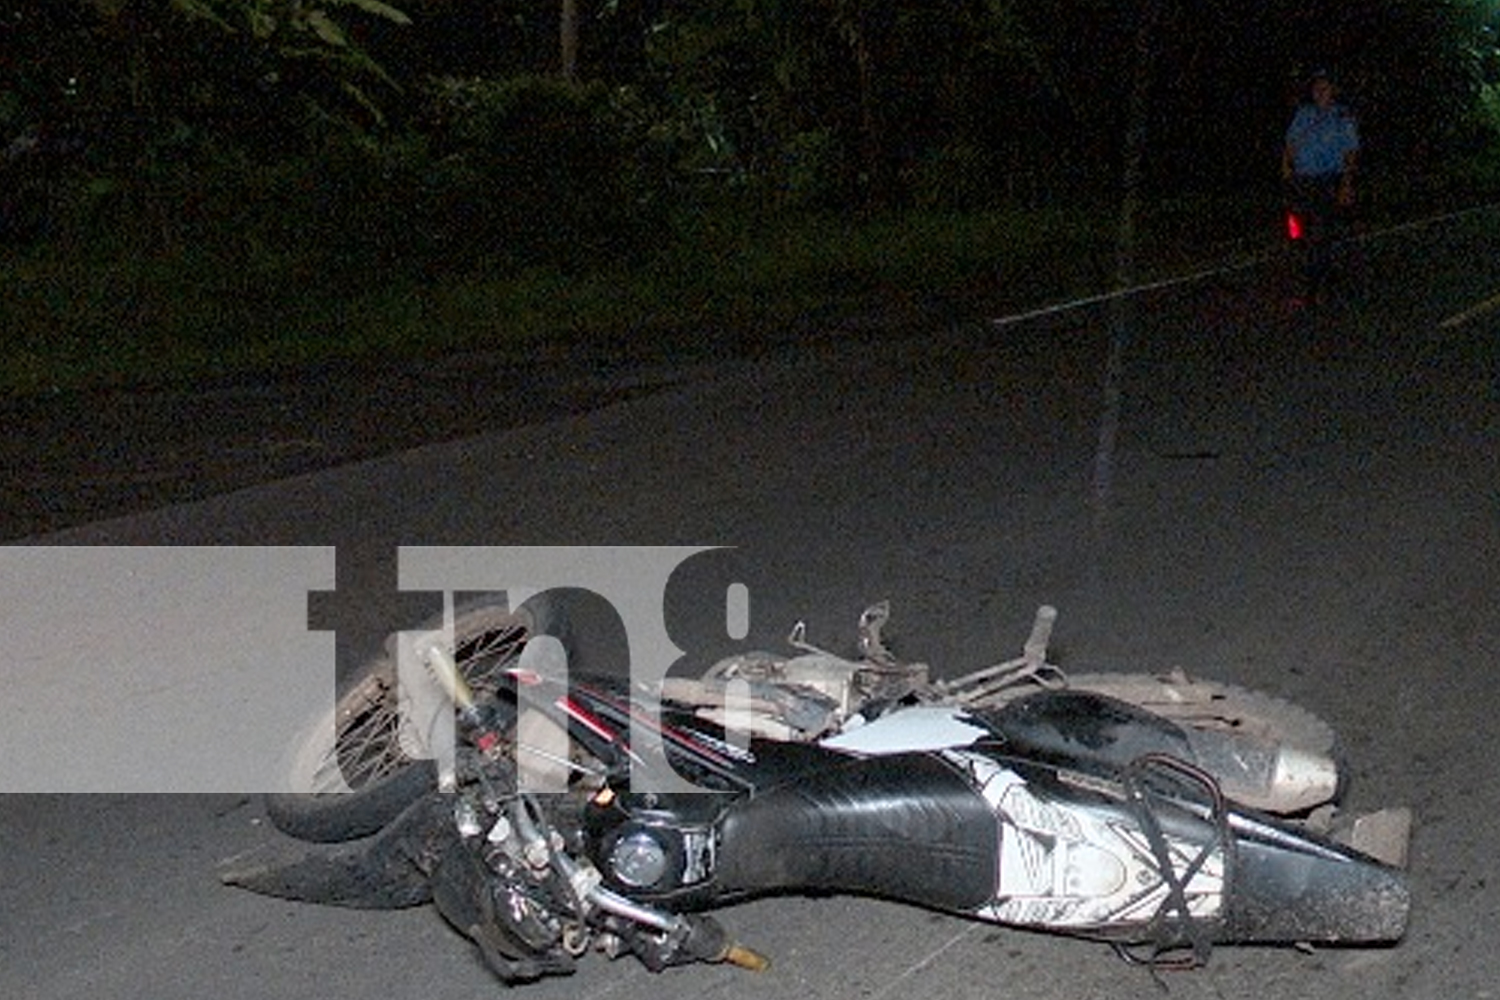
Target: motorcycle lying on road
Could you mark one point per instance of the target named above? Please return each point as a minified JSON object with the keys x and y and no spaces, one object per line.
{"x":1162,"y":814}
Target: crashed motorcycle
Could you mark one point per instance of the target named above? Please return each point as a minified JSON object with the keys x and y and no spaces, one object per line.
{"x":1162,"y":814}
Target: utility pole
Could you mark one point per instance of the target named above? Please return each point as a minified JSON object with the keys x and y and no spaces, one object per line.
{"x":1122,"y":316}
{"x":569,"y":29}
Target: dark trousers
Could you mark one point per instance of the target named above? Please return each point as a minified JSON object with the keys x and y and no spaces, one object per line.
{"x":1314,"y":200}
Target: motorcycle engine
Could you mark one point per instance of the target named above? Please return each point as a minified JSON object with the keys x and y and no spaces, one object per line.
{"x":499,"y":888}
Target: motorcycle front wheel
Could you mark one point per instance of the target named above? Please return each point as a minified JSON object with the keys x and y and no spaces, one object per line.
{"x":356,"y":767}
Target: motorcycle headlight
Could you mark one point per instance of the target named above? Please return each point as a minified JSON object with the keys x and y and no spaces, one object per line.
{"x":639,"y":860}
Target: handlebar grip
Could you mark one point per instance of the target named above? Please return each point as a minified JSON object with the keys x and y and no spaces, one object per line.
{"x":738,"y":954}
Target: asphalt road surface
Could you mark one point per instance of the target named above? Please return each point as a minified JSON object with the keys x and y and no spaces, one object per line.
{"x":1298,"y":500}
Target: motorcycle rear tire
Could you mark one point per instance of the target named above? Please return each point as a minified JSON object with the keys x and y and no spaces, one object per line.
{"x":1196,"y":703}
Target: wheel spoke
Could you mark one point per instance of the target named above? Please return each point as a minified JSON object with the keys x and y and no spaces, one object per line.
{"x":367,"y":745}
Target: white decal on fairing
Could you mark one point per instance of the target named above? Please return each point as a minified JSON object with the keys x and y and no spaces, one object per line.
{"x":1067,"y":867}
{"x":920,"y":727}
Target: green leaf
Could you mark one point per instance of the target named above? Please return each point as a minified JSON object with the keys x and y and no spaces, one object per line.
{"x":325,"y":28}
{"x":359,"y":97}
{"x":377,"y":8}
{"x":262,"y":23}
{"x":203,"y":11}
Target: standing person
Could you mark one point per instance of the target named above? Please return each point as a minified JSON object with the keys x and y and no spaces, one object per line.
{"x":1318,"y":164}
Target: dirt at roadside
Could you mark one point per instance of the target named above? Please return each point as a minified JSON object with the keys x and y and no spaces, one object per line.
{"x":71,"y":458}
{"x":74,"y":457}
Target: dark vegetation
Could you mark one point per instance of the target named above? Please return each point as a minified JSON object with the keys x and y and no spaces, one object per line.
{"x":199,"y":187}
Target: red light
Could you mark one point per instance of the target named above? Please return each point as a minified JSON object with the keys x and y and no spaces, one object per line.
{"x":1293,"y":226}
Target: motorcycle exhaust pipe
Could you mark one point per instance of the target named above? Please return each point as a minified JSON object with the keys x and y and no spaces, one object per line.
{"x":1082,"y":725}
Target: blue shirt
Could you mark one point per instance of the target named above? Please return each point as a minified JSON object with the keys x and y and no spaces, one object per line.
{"x":1320,"y":138}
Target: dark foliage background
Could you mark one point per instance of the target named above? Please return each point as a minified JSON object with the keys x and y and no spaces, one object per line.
{"x":267,"y":149}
